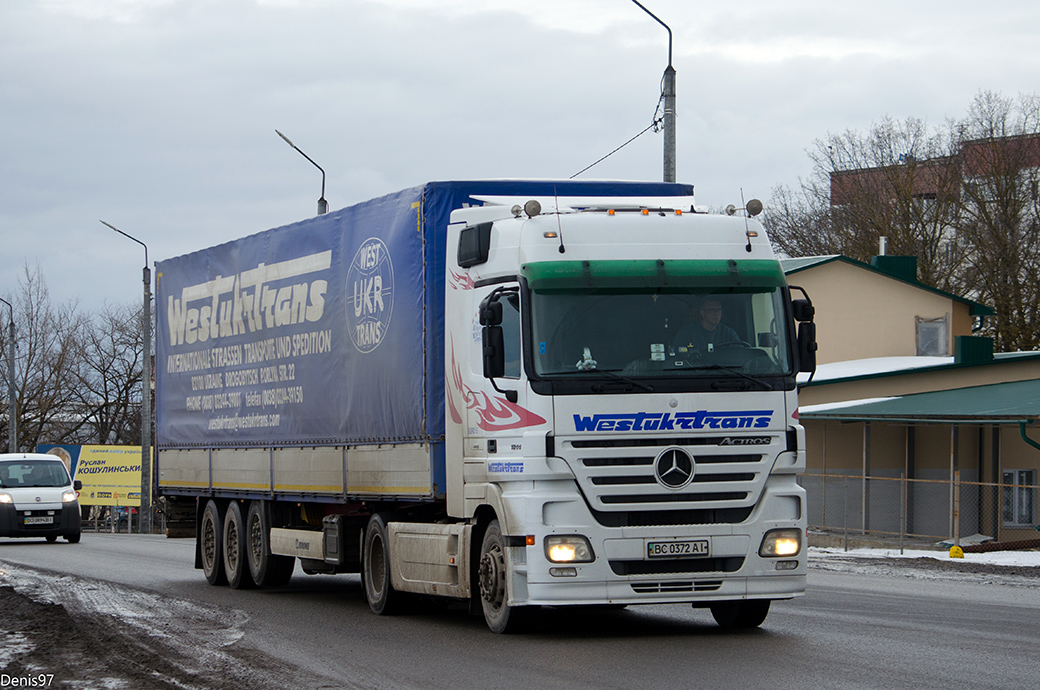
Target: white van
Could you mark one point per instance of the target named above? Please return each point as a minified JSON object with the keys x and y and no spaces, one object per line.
{"x":38,"y":498}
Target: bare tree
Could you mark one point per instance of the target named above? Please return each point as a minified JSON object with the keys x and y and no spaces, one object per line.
{"x":109,"y":378}
{"x":893,"y":182}
{"x":962,"y":198}
{"x":47,"y":359}
{"x":1000,"y":215}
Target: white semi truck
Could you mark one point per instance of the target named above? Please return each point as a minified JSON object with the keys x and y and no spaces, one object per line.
{"x":516,"y":393}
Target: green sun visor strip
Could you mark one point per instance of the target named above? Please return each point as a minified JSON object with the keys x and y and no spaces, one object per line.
{"x":650,"y":273}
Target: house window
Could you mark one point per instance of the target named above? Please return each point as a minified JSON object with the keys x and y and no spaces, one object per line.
{"x":932,"y":337}
{"x":1019,"y":498}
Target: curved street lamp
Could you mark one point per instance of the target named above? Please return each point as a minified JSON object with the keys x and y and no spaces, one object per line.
{"x":668,"y":94}
{"x":145,"y":523}
{"x":323,"y":206}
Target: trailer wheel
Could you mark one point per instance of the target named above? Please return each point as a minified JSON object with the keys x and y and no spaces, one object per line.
{"x":211,"y":544}
{"x":740,"y":615}
{"x":267,"y":569}
{"x":491,"y":577}
{"x":236,"y":559}
{"x":383,"y":599}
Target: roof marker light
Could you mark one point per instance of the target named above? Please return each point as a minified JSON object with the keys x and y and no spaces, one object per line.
{"x":646,"y":212}
{"x":610,"y":212}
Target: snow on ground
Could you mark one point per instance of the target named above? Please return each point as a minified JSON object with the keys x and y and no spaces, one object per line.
{"x":993,"y":558}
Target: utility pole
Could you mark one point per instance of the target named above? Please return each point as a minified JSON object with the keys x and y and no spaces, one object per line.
{"x":668,"y":95}
{"x":12,"y":402}
{"x":145,"y":519}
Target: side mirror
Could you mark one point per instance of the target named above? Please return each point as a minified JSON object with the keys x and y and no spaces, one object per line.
{"x":494,"y":351}
{"x":490,"y":312}
{"x":77,"y":485}
{"x":803,"y":310}
{"x":807,"y":347}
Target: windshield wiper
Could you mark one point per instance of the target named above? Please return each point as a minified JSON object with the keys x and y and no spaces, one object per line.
{"x":765,"y":384}
{"x":611,"y":373}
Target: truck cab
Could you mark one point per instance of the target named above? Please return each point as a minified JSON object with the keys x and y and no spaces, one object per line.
{"x":626,"y":458}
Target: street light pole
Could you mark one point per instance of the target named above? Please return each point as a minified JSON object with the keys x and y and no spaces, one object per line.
{"x":323,"y":206}
{"x":668,"y":94}
{"x":12,"y":402}
{"x":145,"y":523}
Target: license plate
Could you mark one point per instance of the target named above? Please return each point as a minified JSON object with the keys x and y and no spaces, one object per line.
{"x":44,"y":520}
{"x":677,"y":549}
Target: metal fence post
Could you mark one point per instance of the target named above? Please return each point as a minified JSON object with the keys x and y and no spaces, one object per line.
{"x":902,"y":509}
{"x":845,"y":510}
{"x":957,"y":508}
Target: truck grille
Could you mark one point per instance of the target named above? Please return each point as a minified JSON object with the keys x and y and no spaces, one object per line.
{"x":618,"y":479}
{"x":676,"y":587}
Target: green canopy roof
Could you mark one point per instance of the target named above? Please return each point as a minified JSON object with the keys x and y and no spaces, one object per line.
{"x":998,"y":403}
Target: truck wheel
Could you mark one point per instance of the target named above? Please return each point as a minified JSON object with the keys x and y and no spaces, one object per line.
{"x":383,"y":599}
{"x":267,"y":569}
{"x":211,"y":544}
{"x":236,"y":559}
{"x":491,"y":577}
{"x":740,"y":615}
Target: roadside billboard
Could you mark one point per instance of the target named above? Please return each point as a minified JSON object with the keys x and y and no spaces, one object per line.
{"x":111,"y":475}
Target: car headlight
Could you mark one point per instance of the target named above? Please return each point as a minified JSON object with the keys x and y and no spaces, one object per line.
{"x":68,"y":497}
{"x":568,"y":549}
{"x":6,"y":498}
{"x":780,"y":543}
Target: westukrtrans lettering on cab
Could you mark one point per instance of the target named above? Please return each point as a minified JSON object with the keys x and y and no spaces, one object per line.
{"x":668,"y":421}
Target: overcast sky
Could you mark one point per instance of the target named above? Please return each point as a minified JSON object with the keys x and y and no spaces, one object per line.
{"x":158,"y":116}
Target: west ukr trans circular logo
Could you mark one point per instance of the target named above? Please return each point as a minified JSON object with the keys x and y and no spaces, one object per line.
{"x":370,"y":295}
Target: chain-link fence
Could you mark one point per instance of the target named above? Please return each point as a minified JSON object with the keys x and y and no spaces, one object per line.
{"x":916,"y":508}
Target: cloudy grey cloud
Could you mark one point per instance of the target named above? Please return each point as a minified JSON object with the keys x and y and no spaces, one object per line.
{"x":159,"y":116}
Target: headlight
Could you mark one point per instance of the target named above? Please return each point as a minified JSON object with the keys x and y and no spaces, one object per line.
{"x":6,"y":498}
{"x":68,"y":497}
{"x":781,"y":543}
{"x":568,"y":549}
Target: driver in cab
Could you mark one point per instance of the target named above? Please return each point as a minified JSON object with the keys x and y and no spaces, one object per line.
{"x":705,"y":332}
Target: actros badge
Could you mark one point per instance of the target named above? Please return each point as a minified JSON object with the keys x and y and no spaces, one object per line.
{"x":370,"y":294}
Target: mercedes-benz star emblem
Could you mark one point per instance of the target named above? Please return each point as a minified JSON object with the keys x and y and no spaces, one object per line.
{"x":674,"y":468}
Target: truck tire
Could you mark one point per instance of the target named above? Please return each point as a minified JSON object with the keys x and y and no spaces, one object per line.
{"x":211,"y":544}
{"x":266,"y":569}
{"x":740,"y":615}
{"x":236,"y":558}
{"x":382,"y":598}
{"x":491,"y":578}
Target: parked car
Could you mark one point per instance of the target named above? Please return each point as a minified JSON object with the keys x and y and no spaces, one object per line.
{"x":38,"y":498}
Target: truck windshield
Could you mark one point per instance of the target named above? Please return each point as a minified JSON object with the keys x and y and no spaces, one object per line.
{"x":660,"y":332}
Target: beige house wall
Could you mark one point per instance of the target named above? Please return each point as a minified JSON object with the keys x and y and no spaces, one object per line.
{"x":861,"y":313}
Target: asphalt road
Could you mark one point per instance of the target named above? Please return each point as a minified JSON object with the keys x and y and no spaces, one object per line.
{"x":879,"y":626}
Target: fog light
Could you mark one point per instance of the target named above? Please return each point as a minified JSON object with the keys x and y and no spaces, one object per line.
{"x":781,"y":542}
{"x":786,"y":565}
{"x":568,"y":549}
{"x":563,"y":572}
